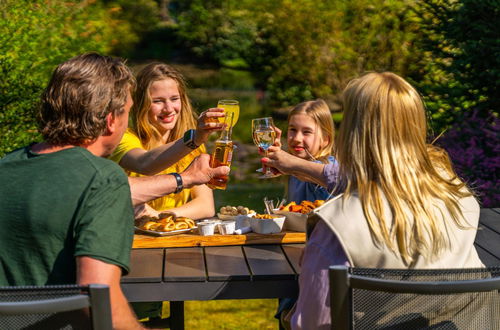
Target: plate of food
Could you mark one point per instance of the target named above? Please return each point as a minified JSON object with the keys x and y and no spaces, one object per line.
{"x":164,"y":225}
{"x":229,"y":212}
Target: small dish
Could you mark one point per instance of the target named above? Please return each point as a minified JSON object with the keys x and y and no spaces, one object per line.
{"x":226,"y":227}
{"x":206,"y":228}
{"x":267,"y":226}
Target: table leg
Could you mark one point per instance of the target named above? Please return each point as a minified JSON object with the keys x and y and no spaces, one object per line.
{"x":177,"y":315}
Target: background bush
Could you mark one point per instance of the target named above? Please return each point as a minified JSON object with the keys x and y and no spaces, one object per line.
{"x":37,"y":35}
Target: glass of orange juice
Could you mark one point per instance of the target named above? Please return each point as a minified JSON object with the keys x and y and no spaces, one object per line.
{"x":229,"y":106}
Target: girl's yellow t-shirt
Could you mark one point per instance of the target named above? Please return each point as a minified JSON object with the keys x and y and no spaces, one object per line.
{"x":131,"y":141}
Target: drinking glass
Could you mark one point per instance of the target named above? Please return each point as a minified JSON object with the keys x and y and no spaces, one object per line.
{"x":229,"y":106}
{"x":263,"y":135}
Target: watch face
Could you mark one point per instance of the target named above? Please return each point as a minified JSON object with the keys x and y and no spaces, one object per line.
{"x":188,"y":136}
{"x":189,"y":139}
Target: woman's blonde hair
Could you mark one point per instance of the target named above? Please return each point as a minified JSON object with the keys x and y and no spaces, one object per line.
{"x":382,"y":151}
{"x":319,"y":111}
{"x":141,"y":124}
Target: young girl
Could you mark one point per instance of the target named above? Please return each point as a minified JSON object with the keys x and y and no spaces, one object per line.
{"x":310,"y":136}
{"x":162,"y":117}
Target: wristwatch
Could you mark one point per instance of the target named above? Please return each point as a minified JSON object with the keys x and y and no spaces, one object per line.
{"x":178,"y":179}
{"x":188,"y":139}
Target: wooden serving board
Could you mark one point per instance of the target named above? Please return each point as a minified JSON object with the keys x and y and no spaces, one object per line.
{"x":186,"y":240}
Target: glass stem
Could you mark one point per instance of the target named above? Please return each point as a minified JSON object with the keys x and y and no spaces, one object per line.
{"x":266,"y":168}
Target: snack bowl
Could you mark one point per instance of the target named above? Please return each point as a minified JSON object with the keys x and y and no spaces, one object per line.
{"x":294,"y":221}
{"x":267,"y":226}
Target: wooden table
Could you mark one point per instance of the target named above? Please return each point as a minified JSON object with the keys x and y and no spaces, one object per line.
{"x":488,"y":237}
{"x":193,"y":267}
{"x":253,"y":266}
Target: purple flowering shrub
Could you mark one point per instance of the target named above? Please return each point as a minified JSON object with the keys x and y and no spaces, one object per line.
{"x":474,"y":148}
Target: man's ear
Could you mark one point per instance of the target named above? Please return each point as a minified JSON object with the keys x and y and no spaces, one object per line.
{"x":110,"y":124}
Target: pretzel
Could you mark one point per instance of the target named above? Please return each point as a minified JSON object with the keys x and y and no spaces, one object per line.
{"x":190,"y":222}
{"x":166,"y":226}
{"x":181,"y":225}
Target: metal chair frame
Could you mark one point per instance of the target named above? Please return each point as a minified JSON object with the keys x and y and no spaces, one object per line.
{"x":342,"y":282}
{"x":97,"y":300}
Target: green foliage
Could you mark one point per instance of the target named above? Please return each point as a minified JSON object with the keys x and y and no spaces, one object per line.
{"x":462,"y":62}
{"x":216,"y":30}
{"x":317,"y":46}
{"x":37,"y":35}
{"x":302,"y":49}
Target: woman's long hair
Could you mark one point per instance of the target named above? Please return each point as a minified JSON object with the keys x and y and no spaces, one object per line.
{"x":319,"y":111}
{"x":141,"y":124}
{"x":382,"y":151}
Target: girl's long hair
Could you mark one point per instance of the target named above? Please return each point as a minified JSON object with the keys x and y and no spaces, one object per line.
{"x":141,"y":125}
{"x":382,"y":152}
{"x":319,"y":111}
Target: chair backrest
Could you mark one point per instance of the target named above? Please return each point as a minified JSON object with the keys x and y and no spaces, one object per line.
{"x":452,"y":299}
{"x":55,"y":307}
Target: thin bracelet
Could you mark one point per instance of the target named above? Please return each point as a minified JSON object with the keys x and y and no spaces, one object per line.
{"x":178,"y":178}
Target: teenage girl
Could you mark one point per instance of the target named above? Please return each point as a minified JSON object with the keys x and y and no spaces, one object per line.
{"x":165,"y":138}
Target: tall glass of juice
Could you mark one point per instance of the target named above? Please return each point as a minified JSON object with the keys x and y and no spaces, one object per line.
{"x":230,"y":107}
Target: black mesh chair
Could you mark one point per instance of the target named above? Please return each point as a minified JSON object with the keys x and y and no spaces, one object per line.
{"x":55,"y":307}
{"x":386,"y":299}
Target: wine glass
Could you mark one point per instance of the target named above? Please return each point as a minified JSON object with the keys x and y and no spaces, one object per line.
{"x":263,"y":135}
{"x":229,"y":106}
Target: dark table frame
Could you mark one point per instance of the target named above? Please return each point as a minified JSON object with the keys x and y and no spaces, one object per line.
{"x":243,"y":272}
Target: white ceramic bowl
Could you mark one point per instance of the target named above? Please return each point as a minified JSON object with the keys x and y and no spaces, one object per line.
{"x":226,"y":227}
{"x":267,"y":226}
{"x":206,"y":228}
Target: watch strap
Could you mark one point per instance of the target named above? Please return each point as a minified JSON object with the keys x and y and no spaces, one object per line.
{"x":178,"y":179}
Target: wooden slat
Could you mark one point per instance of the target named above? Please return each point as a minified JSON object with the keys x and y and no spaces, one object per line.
{"x":268,"y":262}
{"x":184,"y":264}
{"x":489,"y":240}
{"x":491,"y":219}
{"x":146,"y":265}
{"x":187,"y":240}
{"x":487,"y":258}
{"x":293,"y":253}
{"x":226,"y":263}
{"x":496,"y":209}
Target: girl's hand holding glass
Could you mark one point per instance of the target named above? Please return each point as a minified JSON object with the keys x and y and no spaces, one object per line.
{"x":208,"y":123}
{"x":264,"y":136}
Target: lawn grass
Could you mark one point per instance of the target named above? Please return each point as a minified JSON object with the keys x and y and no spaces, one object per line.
{"x":230,"y":314}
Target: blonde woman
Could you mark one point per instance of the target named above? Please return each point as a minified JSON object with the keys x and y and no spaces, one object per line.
{"x":165,"y":138}
{"x":402,"y":204}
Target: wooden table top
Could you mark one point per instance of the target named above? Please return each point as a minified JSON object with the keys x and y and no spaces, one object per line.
{"x":488,"y":236}
{"x":193,"y":239}
{"x":213,"y":272}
